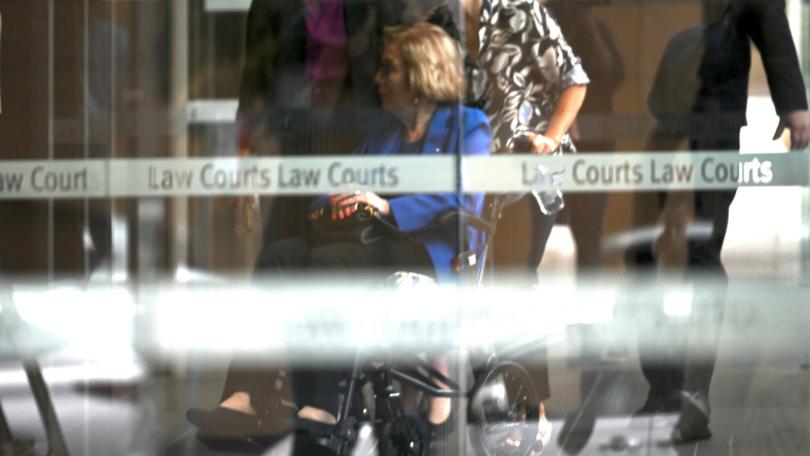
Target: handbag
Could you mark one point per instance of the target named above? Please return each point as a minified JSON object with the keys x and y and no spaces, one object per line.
{"x":678,"y":79}
{"x":364,"y":226}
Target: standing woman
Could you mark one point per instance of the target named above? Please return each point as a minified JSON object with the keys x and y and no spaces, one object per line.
{"x":535,"y":87}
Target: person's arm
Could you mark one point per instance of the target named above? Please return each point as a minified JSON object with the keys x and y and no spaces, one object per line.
{"x":565,"y":112}
{"x":767,"y":24}
{"x":798,"y":122}
{"x":417,"y":212}
{"x":573,"y":81}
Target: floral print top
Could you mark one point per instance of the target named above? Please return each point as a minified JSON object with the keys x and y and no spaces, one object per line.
{"x":527,"y":63}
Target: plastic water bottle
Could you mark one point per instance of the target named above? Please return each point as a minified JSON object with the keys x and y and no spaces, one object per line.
{"x":549,"y":196}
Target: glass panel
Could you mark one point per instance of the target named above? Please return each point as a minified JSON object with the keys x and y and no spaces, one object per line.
{"x":326,"y":227}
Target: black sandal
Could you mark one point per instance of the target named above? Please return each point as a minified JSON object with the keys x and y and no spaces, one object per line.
{"x":224,"y":428}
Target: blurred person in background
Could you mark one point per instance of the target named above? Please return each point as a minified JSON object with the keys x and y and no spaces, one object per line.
{"x":700,"y":95}
{"x":307,"y":88}
{"x":592,"y":40}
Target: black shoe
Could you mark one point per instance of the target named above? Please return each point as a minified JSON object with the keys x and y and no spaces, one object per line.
{"x":576,"y":431}
{"x":225,"y":428}
{"x":693,"y":424}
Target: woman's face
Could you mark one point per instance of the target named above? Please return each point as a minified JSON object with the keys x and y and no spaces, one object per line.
{"x":392,"y":80}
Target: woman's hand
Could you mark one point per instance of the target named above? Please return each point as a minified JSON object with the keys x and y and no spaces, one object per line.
{"x":542,"y":144}
{"x":346,"y":204}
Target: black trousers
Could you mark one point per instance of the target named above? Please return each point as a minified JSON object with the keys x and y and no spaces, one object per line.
{"x":585,"y":213}
{"x":689,"y":362}
{"x":373,"y":261}
{"x":520,"y":241}
{"x":317,"y":385}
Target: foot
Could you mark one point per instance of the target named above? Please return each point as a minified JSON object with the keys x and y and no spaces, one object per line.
{"x":227,"y":428}
{"x":439,"y":408}
{"x":235,"y":424}
{"x":240,"y":402}
{"x":316,"y":414}
{"x":576,"y":431}
{"x":543,"y":433}
{"x":693,"y":424}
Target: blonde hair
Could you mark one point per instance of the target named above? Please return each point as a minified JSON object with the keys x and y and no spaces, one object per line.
{"x":432,"y":59}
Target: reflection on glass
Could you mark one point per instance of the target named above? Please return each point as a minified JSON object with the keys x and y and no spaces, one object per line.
{"x":666,"y":319}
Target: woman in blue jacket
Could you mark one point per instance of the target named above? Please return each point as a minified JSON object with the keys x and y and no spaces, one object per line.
{"x":420,"y":82}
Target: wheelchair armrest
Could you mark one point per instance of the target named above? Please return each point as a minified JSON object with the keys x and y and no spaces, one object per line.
{"x":457,"y":217}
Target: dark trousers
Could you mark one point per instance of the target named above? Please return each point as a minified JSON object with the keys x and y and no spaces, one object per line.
{"x":585,"y":213}
{"x":317,"y":385}
{"x":373,"y":261}
{"x":520,"y":241}
{"x":688,"y":363}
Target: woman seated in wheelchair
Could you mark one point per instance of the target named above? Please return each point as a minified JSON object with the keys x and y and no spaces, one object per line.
{"x":420,"y":81}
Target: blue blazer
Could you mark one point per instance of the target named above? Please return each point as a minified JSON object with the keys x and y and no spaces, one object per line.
{"x":453,"y":130}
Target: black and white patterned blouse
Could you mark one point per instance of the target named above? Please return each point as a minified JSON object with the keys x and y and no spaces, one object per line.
{"x":528,"y":63}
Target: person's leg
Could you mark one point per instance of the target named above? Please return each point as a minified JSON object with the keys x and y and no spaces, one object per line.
{"x":661,"y":364}
{"x":520,"y":241}
{"x":316,"y":391}
{"x":639,"y":259}
{"x":349,"y":260}
{"x":316,"y":387}
{"x":585,"y":213}
{"x":709,"y":280}
{"x":518,"y":247}
{"x":287,"y":219}
{"x":712,"y":208}
{"x":372,"y":262}
{"x":286,"y":255}
{"x":541,"y":224}
{"x":519,"y":244}
{"x":256,"y":387}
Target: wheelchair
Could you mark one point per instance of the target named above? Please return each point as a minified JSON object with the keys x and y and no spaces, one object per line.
{"x":502,"y":404}
{"x":502,"y":407}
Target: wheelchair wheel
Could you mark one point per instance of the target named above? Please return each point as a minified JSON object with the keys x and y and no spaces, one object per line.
{"x":503,"y":412}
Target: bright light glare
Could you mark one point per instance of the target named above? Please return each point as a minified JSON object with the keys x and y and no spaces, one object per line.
{"x":678,"y":302}
{"x":95,"y":322}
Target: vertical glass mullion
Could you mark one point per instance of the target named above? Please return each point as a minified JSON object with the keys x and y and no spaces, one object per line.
{"x":178,"y":255}
{"x":86,"y":125}
{"x":51,"y":112}
{"x":804,"y":9}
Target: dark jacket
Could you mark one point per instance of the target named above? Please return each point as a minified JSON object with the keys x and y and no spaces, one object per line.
{"x":701,"y":87}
